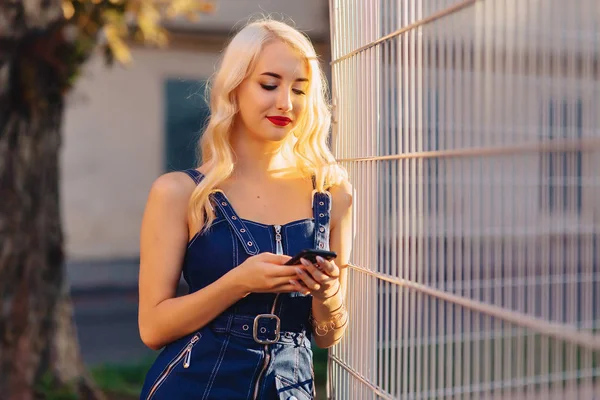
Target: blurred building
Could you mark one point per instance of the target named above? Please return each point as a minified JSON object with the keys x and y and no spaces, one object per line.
{"x":126,"y":126}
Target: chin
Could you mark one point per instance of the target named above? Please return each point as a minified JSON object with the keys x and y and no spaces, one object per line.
{"x":276,"y":139}
{"x":277,"y":135}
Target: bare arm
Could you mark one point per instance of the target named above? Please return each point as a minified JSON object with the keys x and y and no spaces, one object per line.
{"x":164,"y":236}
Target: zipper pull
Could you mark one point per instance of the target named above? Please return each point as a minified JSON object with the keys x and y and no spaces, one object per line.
{"x":188,"y":357}
{"x":188,"y":354}
{"x":278,"y":245}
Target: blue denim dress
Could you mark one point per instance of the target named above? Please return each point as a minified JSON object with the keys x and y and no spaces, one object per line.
{"x":260,"y":347}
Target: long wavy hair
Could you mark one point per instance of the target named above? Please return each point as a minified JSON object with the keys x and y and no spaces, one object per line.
{"x":306,"y":144}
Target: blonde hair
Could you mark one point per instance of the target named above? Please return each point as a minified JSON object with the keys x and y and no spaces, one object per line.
{"x":307,"y":143}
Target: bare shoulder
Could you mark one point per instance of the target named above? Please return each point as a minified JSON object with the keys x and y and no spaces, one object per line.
{"x":172,"y":188}
{"x":341,"y":201}
{"x":341,"y":194}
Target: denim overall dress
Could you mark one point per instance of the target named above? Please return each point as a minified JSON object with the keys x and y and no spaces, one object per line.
{"x":260,"y":347}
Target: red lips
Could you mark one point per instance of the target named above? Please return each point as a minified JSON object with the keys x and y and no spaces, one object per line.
{"x":279,"y":121}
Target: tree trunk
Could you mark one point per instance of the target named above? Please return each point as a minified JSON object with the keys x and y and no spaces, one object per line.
{"x":37,"y":337}
{"x":38,"y":345}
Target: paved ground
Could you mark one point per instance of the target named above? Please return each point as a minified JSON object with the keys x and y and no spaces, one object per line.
{"x":105,"y":300}
{"x":107,"y":327}
{"x":100,"y":275}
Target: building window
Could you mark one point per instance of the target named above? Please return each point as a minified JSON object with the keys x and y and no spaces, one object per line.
{"x":561,"y":171}
{"x":186,"y":114}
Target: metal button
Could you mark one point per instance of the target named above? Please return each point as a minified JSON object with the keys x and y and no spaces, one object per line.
{"x":322,"y":229}
{"x":249,"y":243}
{"x":245,"y":327}
{"x":321,"y":203}
{"x":242,"y":230}
{"x":223,"y":203}
{"x":263,"y":329}
{"x":321,"y":245}
{"x":234,"y":217}
{"x":321,"y":215}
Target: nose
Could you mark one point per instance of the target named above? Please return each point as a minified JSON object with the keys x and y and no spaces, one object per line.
{"x":284,"y":101}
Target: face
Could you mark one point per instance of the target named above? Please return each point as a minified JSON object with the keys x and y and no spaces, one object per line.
{"x":273,"y":97}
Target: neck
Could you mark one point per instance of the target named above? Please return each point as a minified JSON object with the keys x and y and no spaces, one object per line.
{"x":257,"y":159}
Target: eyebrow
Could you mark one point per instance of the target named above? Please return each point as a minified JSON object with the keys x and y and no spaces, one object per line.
{"x":274,"y":75}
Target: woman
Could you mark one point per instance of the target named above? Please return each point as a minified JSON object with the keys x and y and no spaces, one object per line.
{"x":268,"y":188}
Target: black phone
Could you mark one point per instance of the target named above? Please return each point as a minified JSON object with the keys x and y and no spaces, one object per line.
{"x":311,"y":255}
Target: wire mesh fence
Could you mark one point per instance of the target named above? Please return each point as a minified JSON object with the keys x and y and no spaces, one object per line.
{"x":471,"y":133}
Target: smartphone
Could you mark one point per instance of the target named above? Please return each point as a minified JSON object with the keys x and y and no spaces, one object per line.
{"x":311,"y":255}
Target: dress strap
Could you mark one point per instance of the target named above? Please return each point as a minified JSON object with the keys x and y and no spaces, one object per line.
{"x":237,"y":225}
{"x":194,"y":174}
{"x":321,"y":213}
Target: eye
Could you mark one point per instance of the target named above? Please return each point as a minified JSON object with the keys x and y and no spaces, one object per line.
{"x":268,"y":87}
{"x":298,"y":92}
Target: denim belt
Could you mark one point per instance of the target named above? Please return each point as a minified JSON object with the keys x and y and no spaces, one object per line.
{"x":262,"y":328}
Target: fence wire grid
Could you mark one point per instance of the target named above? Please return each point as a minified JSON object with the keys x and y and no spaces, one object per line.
{"x":470,"y":131}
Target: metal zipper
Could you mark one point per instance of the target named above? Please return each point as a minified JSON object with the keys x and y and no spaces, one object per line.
{"x":187,"y":353}
{"x":278,"y":250}
{"x":188,"y":356}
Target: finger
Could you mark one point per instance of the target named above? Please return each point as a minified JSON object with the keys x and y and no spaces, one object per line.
{"x":279,"y":259}
{"x":286,"y":271}
{"x":307,"y":279}
{"x":328,"y":267}
{"x":282,"y":281}
{"x":296,"y":285}
{"x":316,"y":273}
{"x":299,"y":287}
{"x":290,"y":288}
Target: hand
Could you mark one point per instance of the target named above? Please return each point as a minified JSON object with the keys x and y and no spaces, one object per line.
{"x":322,"y":280}
{"x":265,"y":273}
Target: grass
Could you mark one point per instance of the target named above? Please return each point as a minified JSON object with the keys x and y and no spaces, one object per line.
{"x":120,"y":381}
{"x":124,"y":381}
{"x":320,"y":364}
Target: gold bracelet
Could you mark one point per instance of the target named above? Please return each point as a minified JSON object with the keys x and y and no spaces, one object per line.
{"x":339,"y":285}
{"x":333,"y":323}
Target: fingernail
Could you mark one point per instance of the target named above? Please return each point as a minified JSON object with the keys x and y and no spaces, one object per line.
{"x":299,"y":271}
{"x":304,"y":262}
{"x":293,"y":282}
{"x":320,"y":259}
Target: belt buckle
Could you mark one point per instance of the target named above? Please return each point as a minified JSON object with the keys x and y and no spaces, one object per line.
{"x":277,"y":328}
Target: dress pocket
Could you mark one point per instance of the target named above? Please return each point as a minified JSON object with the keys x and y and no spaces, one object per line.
{"x":288,"y":390}
{"x":184,"y":355}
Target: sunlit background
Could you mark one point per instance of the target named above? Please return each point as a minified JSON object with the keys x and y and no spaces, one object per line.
{"x":124,"y":126}
{"x":470,"y":130}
